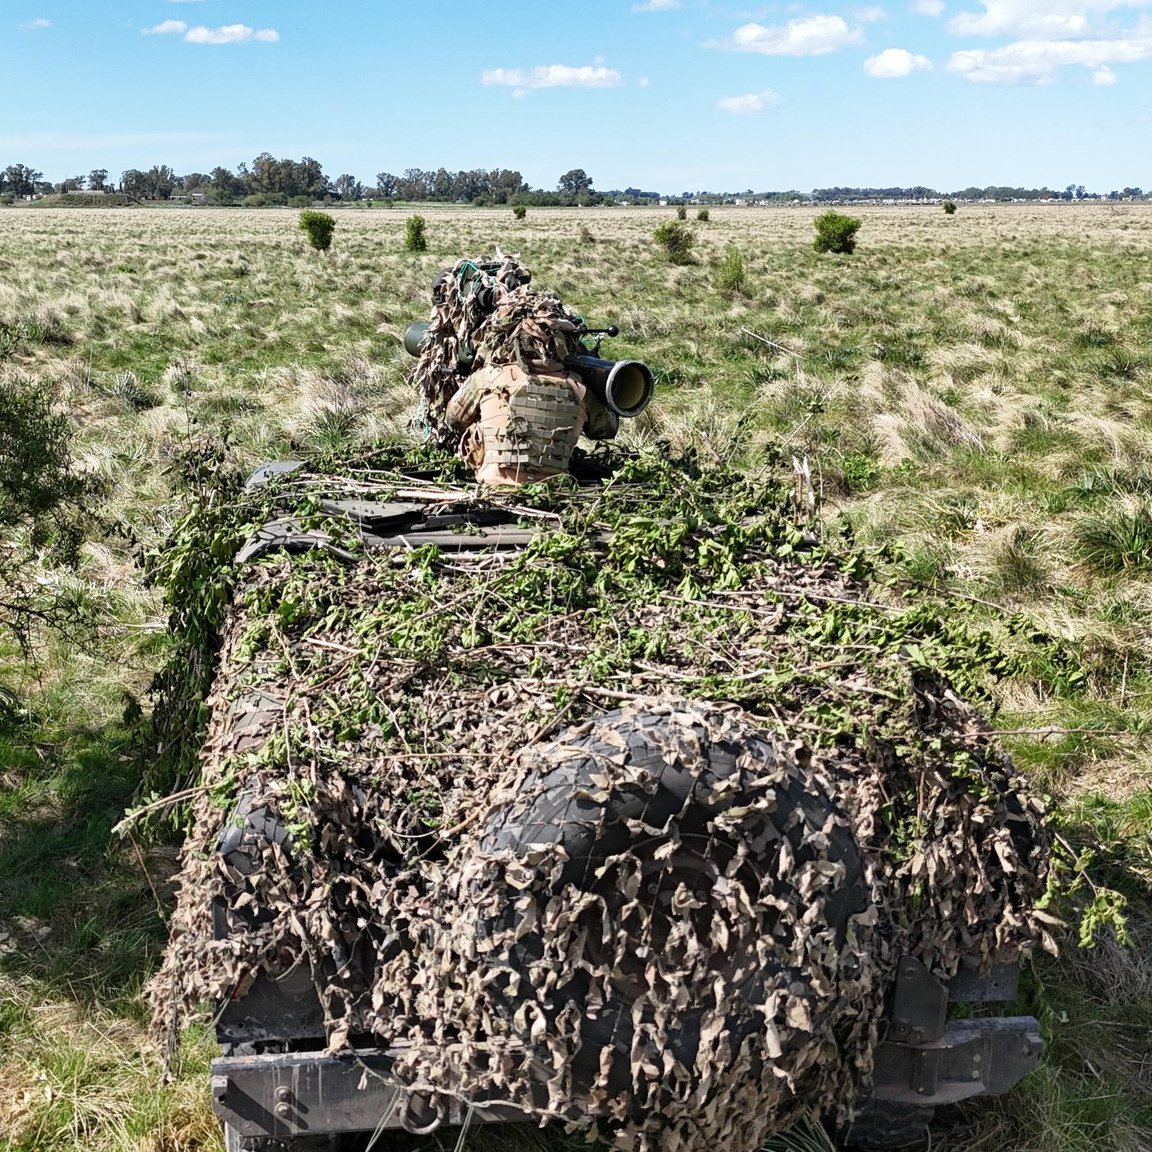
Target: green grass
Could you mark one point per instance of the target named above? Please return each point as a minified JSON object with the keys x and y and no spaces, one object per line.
{"x":1117,"y":539}
{"x":81,"y":924}
{"x":76,"y":899}
{"x":976,"y":411}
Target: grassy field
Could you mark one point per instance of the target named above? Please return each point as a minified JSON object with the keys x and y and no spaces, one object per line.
{"x":974,"y":394}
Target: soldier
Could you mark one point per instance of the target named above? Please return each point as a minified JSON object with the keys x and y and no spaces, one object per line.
{"x":520,"y":426}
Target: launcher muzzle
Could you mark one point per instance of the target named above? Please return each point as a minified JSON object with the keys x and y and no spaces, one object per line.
{"x":622,"y":386}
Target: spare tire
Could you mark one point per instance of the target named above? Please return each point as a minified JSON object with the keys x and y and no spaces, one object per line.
{"x":704,"y":886}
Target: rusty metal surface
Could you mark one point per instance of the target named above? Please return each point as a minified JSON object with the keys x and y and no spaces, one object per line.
{"x":373,"y":514}
{"x":276,"y":1010}
{"x":271,"y":469}
{"x":476,"y":539}
{"x":405,"y":524}
{"x":290,"y":535}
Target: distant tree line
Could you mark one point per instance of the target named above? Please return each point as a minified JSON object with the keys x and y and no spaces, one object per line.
{"x":269,"y":181}
{"x":498,"y":186}
{"x":992,"y":192}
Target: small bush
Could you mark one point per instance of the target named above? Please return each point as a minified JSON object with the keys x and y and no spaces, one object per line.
{"x":519,"y":211}
{"x":299,"y":201}
{"x":681,"y":212}
{"x":1121,"y":364}
{"x":414,"y":238}
{"x":702,"y":215}
{"x":46,"y":502}
{"x":859,"y":472}
{"x":319,"y":227}
{"x":835,"y":232}
{"x":126,"y":386}
{"x":586,"y":235}
{"x":730,"y":273}
{"x":676,"y":240}
{"x":949,"y":208}
{"x":1018,"y":565}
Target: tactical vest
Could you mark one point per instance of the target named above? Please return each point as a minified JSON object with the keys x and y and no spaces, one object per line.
{"x":541,"y":429}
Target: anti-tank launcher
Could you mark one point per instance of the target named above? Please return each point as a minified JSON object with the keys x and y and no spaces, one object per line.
{"x":623,"y":386}
{"x":486,"y":298}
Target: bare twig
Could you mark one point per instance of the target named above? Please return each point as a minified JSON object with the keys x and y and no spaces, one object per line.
{"x":169,"y":801}
{"x":770,"y":343}
{"x":805,"y":594}
{"x":543,"y":727}
{"x":147,"y":875}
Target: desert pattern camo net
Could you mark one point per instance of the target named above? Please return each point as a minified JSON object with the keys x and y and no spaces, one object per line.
{"x":396,"y":714}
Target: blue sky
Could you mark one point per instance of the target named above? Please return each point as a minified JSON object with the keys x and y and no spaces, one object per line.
{"x":667,"y":95}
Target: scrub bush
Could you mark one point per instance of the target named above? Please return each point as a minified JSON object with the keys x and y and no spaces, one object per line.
{"x":835,"y":232}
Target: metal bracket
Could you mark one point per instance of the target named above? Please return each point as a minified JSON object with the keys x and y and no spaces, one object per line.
{"x":972,"y":1057}
{"x":919,"y":1005}
{"x":300,"y":1093}
{"x":928,"y":1059}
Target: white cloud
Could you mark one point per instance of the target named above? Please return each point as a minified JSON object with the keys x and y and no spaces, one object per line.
{"x":656,"y":6}
{"x":1104,"y":76}
{"x":1039,"y":61}
{"x":230,"y":34}
{"x":227,"y":34}
{"x":1041,"y":19}
{"x":748,"y":105}
{"x":805,"y":36}
{"x":35,"y":25}
{"x":928,"y":7}
{"x":871,"y":15}
{"x":895,"y":62}
{"x":523,"y":80}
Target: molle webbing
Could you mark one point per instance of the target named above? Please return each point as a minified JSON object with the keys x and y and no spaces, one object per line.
{"x":542,"y":427}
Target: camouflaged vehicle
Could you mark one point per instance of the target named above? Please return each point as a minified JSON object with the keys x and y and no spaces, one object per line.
{"x":624,"y":803}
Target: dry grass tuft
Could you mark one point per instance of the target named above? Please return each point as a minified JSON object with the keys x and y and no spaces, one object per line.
{"x":910,"y":423}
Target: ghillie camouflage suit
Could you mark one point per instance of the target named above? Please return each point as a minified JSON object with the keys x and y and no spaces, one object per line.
{"x":520,"y":410}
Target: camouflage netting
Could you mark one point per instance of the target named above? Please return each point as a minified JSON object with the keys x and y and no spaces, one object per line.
{"x":633,"y":824}
{"x":487,"y":312}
